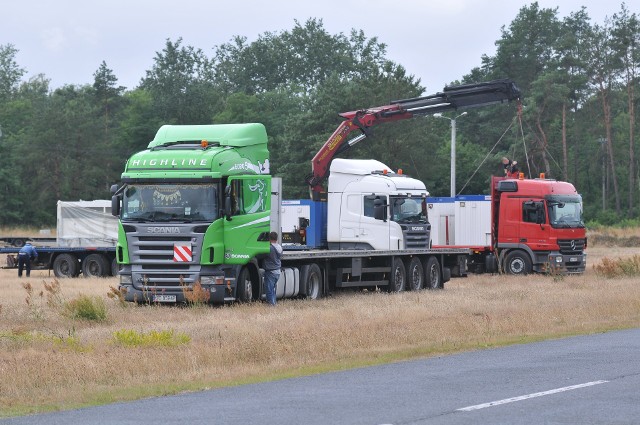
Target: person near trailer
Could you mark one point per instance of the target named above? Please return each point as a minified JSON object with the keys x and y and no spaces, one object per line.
{"x":25,"y":256}
{"x":272,"y":267}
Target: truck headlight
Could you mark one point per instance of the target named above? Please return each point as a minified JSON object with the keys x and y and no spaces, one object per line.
{"x":559,"y":259}
{"x":212,"y":280}
{"x":207,"y":280}
{"x":125,"y":279}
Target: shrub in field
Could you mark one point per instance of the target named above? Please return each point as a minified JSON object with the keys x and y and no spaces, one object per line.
{"x":624,"y":234}
{"x":611,"y":239}
{"x":19,"y":336}
{"x":118,"y":295}
{"x":196,"y":295}
{"x":86,"y":308}
{"x":19,"y":339}
{"x":71,"y":342}
{"x":132,"y":338}
{"x":619,"y":267}
{"x":50,"y":296}
{"x":34,"y":303}
{"x":54,"y":296}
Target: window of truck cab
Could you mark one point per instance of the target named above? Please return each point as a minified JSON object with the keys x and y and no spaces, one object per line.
{"x":533,"y":212}
{"x":170,"y":202}
{"x":405,"y":209}
{"x":565,"y":211}
{"x":249,"y":196}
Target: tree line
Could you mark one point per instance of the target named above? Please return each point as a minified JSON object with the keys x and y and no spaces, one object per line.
{"x":577,"y":120}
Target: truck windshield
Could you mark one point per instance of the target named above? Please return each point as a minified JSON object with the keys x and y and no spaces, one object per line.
{"x":170,"y":202}
{"x":565,"y":211}
{"x":408,"y":210}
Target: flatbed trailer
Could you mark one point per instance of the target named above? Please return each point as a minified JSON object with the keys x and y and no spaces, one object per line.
{"x":19,"y":241}
{"x":320,"y":271}
{"x":69,"y":262}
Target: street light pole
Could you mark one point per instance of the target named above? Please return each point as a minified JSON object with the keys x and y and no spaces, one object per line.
{"x":453,"y":149}
{"x":602,"y":142}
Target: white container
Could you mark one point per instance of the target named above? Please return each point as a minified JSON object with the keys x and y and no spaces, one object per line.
{"x":473,"y":220}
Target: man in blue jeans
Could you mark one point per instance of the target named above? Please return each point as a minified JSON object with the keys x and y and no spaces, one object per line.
{"x":26,"y":254}
{"x":271,"y":267}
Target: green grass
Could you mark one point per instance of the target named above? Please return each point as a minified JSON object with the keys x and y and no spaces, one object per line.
{"x":167,"y":338}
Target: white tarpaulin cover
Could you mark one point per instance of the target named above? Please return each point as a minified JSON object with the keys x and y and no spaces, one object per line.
{"x":86,"y":224}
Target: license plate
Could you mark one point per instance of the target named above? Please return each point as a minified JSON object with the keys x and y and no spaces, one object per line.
{"x":164,"y":298}
{"x":573,"y":259}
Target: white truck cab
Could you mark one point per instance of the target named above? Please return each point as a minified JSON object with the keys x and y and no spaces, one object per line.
{"x":356,"y":189}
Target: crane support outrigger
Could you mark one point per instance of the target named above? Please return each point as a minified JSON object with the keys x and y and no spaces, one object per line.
{"x":452,"y":98}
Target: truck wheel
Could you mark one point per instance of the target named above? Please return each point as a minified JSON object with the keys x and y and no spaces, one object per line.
{"x":18,"y":243}
{"x":115,"y":267}
{"x":415,"y":274}
{"x":65,"y":265}
{"x":313,"y":282}
{"x":398,"y":278}
{"x":244,"y":291}
{"x":434,"y":278}
{"x":95,"y":265}
{"x":517,"y":262}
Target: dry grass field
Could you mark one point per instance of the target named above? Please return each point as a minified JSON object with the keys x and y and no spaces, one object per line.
{"x":50,"y":360}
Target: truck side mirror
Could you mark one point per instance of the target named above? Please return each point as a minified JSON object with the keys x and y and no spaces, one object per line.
{"x":115,"y":205}
{"x":114,"y":189}
{"x":379,"y":209}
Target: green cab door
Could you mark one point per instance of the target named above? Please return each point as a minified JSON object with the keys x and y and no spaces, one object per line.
{"x":247,"y":218}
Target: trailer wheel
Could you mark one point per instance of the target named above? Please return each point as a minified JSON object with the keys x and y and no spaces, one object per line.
{"x":244,"y":290}
{"x":415,"y":274}
{"x":313,"y":282}
{"x":434,"y":278}
{"x":18,"y":243}
{"x":95,"y":265}
{"x":398,"y":278}
{"x":65,"y":265}
{"x":517,"y":262}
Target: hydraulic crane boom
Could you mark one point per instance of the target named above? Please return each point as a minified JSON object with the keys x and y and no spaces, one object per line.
{"x":452,"y":98}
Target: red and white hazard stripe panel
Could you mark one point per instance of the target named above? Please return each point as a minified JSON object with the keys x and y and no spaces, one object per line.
{"x":182,"y":253}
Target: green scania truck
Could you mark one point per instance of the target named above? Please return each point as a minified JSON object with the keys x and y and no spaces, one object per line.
{"x":178,"y":223}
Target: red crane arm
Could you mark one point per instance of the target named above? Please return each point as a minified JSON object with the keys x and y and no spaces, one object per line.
{"x":452,"y":98}
{"x":337,"y":142}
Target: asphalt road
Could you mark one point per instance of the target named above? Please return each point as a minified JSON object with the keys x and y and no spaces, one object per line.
{"x":581,"y":380}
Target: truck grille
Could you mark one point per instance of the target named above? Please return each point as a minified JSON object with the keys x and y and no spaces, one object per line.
{"x":416,"y":236}
{"x":571,"y":246}
{"x":152,"y":255}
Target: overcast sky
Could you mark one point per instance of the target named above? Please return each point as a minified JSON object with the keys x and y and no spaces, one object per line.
{"x":438,"y":41}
